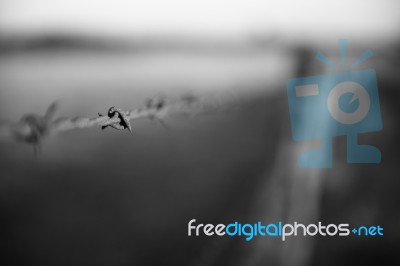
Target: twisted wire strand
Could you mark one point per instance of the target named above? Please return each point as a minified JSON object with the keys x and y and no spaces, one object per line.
{"x":33,"y":129}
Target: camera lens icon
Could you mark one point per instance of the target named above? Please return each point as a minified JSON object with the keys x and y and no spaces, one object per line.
{"x":338,"y":104}
{"x":358,"y":92}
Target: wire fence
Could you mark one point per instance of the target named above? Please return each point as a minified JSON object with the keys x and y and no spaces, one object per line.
{"x":34,"y":129}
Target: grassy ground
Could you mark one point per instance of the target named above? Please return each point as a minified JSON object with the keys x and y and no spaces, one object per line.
{"x":106,"y":197}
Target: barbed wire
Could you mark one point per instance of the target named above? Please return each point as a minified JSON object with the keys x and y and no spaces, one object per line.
{"x":33,"y":128}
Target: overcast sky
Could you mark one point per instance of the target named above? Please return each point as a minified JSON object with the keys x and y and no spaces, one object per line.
{"x":205,"y":17}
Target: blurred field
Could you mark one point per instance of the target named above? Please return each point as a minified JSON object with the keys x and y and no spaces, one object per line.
{"x":111,"y":198}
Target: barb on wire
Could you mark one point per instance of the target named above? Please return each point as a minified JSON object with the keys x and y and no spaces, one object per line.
{"x":33,"y":129}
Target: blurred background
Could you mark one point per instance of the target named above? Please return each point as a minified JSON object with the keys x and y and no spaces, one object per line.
{"x":110,"y":198}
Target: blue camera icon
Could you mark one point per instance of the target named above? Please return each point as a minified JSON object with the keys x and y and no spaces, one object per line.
{"x":340,"y":104}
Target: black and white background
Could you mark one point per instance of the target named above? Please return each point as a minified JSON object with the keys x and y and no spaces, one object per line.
{"x":94,"y":197}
